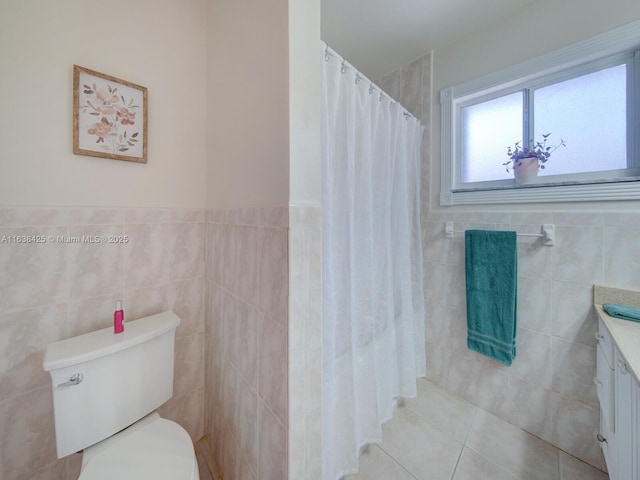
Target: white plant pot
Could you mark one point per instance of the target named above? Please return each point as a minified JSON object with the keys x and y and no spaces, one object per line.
{"x":525,"y":170}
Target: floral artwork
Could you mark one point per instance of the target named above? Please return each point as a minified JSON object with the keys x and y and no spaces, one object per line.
{"x":109,"y":117}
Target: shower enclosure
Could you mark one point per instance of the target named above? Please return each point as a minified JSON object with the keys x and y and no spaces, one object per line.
{"x":373,"y":306}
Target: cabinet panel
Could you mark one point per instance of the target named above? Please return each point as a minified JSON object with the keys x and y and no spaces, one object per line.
{"x":604,"y":384}
{"x":624,"y":413}
{"x":605,"y":342}
{"x":636,"y":434}
{"x":608,"y":445}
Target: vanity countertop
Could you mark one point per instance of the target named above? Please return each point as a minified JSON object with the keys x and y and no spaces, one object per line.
{"x":626,"y":336}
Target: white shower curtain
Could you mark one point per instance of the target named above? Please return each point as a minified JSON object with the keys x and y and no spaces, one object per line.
{"x":373,"y":306}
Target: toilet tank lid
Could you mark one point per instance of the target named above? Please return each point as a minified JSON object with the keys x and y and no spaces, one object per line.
{"x":104,"y":342}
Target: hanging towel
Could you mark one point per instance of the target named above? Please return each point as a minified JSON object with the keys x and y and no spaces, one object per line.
{"x":491,"y":263}
{"x":624,"y":312}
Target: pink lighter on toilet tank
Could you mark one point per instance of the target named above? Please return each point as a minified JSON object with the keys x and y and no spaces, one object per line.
{"x":118,"y":318}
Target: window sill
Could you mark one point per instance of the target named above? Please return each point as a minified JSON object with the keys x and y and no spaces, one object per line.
{"x":608,"y":190}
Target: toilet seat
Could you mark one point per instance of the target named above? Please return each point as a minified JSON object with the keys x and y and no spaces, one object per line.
{"x":155,"y":449}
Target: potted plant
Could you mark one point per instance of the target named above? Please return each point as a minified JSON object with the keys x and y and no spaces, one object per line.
{"x":526,"y":161}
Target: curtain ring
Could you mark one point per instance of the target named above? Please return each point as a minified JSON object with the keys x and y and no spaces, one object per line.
{"x":326,"y":54}
{"x":382,"y":96}
{"x":370,"y":88}
{"x":343,"y":69}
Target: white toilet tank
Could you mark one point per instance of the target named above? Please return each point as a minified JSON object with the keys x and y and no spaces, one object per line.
{"x":104,"y":382}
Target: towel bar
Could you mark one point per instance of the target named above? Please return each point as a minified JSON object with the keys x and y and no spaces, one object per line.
{"x":547,"y":233}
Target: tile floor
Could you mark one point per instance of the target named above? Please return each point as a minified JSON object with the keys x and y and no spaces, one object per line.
{"x":437,"y":436}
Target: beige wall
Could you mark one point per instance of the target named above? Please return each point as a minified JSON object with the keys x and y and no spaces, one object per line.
{"x":247,"y":103}
{"x":502,"y":44}
{"x":159,"y":44}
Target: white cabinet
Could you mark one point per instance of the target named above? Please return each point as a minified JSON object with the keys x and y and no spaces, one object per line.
{"x":623,"y":429}
{"x":619,"y":397}
{"x":635,"y":445}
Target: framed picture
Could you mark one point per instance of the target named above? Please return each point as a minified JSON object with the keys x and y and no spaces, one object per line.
{"x":109,"y":117}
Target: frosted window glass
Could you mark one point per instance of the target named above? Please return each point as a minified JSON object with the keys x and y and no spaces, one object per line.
{"x":589,"y":113}
{"x":488,"y":128}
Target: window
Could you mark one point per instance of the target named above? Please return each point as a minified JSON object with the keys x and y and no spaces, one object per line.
{"x":587,"y":95}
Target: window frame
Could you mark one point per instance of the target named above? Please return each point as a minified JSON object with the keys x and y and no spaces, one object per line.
{"x":618,"y":46}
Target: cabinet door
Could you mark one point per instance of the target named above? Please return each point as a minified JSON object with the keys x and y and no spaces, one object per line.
{"x":636,"y":433}
{"x":607,"y":441}
{"x":604,"y":386}
{"x":624,"y":414}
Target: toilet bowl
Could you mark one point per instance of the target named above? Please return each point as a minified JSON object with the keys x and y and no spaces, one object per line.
{"x":106,"y":388}
{"x":153,"y":448}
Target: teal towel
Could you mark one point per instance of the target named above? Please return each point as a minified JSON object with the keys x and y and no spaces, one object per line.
{"x":624,"y":312}
{"x":491,"y":268}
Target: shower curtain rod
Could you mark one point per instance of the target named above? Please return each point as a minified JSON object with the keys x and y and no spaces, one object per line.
{"x":547,"y":233}
{"x":330,"y":52}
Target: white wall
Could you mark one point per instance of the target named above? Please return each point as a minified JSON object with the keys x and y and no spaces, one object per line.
{"x":159,"y":44}
{"x":304,"y":102}
{"x":552,"y":24}
{"x":248,"y":103}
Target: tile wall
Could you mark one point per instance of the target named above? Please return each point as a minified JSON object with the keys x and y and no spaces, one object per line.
{"x":411,"y":86}
{"x":247,"y":409}
{"x":53,"y":290}
{"x":549,"y":390}
{"x":305,"y":342}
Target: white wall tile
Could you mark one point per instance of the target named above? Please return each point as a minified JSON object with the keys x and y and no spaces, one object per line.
{"x":573,"y":315}
{"x":185,"y":250}
{"x":574,"y":367}
{"x":32,"y":274}
{"x":23,"y":338}
{"x":532,"y":408}
{"x":33,"y":216}
{"x":146,"y":254}
{"x":622,"y":257}
{"x":96,"y":268}
{"x":575,"y":431}
{"x":595,"y":219}
{"x":272,"y":438}
{"x":28,"y":437}
{"x":534,"y":304}
{"x":577,"y":255}
{"x":443,"y":410}
{"x":533,"y":357}
{"x":573,"y":469}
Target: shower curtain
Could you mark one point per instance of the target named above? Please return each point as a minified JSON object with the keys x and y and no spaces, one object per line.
{"x":372,"y":305}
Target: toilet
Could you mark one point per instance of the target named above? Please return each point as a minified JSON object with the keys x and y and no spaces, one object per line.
{"x":106,"y":389}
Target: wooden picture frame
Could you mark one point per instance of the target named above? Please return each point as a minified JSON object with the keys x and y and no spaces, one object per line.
{"x":109,"y":117}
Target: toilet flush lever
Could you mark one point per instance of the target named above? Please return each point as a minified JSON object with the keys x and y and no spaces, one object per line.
{"x":75,"y":379}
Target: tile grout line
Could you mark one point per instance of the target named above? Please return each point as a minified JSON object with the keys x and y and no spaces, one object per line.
{"x":394,"y":461}
{"x":455,"y":468}
{"x":464,"y":442}
{"x":558,"y":463}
